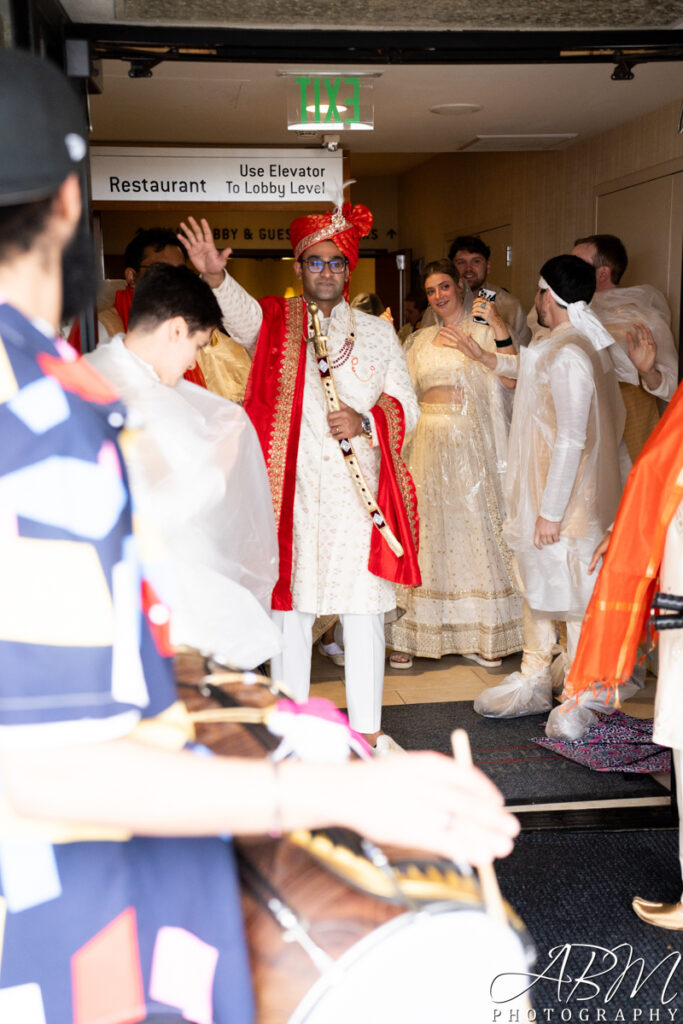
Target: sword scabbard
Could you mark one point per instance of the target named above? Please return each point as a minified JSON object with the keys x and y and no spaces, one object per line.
{"x":355,"y":472}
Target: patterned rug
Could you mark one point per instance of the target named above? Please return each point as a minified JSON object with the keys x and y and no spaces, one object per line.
{"x":617,"y":743}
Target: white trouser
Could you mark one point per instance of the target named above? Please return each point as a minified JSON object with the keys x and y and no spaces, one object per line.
{"x":364,"y":653}
{"x":539,"y":639}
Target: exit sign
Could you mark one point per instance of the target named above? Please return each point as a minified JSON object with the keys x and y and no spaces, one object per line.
{"x":329,"y":103}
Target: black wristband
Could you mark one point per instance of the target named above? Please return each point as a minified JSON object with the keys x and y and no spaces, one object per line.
{"x":503,"y":342}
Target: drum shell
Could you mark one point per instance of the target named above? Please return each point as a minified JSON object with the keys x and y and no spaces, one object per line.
{"x":337,"y":915}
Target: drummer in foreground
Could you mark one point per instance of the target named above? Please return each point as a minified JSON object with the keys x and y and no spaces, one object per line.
{"x":110,"y":874}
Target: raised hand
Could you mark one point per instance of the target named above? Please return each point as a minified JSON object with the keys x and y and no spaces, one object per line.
{"x":642,"y":348}
{"x":201,"y":248}
{"x":642,"y":351}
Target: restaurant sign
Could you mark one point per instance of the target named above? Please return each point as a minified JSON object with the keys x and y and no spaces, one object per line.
{"x":144,"y":174}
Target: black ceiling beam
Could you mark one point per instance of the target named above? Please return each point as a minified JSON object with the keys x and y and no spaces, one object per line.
{"x":331,"y":46}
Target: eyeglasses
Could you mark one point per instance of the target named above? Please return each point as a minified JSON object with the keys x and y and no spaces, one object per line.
{"x":316,"y":266}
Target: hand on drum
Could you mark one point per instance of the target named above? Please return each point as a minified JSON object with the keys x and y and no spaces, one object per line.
{"x":201,"y":249}
{"x":429,"y":801}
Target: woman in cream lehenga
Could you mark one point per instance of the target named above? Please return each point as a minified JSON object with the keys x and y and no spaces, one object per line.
{"x":468,"y":603}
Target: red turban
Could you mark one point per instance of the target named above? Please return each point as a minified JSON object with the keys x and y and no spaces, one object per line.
{"x":344,"y":227}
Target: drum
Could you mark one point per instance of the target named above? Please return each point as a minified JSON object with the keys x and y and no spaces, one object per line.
{"x":334,"y":939}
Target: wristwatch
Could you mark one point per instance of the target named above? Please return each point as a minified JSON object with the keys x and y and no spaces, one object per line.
{"x":366,"y":428}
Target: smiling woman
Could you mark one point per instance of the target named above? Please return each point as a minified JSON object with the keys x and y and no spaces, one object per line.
{"x":467,"y":603}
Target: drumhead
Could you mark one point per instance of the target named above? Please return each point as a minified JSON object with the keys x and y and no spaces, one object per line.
{"x":435,"y":965}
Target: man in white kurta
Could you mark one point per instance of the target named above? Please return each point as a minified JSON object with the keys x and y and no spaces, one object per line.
{"x":563,"y":480}
{"x":331,"y":531}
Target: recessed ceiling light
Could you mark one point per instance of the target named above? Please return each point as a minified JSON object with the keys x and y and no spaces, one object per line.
{"x":452,"y":109}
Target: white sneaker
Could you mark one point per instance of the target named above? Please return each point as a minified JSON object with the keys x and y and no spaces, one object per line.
{"x":516,"y":696}
{"x":332,"y":651}
{"x":385,"y":745}
{"x":484,"y":662}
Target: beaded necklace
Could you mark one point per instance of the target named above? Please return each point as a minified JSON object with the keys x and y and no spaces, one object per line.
{"x":347,"y":348}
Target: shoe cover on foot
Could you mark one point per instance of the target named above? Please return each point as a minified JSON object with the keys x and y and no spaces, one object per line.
{"x":516,"y":696}
{"x":574,"y":722}
{"x":569,"y":723}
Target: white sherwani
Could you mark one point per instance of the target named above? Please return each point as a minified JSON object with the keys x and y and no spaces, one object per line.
{"x":331,"y":535}
{"x":563,"y":465}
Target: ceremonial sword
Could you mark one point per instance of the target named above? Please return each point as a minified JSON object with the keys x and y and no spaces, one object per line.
{"x":332,"y":399}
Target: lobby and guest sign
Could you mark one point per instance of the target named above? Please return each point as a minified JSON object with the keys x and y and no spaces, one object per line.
{"x":329,"y":103}
{"x":141,"y":174}
{"x":239,"y":229}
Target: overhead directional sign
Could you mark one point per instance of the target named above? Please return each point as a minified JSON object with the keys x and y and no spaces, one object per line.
{"x":141,"y":174}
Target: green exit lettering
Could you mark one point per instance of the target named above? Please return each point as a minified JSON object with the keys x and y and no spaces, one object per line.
{"x":322,"y":96}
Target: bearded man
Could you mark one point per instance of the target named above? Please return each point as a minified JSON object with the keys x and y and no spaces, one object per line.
{"x":332,"y":559}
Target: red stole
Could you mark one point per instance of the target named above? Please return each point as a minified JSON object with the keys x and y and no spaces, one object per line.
{"x":274,"y":401}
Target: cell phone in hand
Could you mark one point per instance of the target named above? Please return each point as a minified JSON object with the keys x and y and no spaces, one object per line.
{"x":490,"y":296}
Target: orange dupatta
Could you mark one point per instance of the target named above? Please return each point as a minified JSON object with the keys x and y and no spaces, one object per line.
{"x":617,"y":614}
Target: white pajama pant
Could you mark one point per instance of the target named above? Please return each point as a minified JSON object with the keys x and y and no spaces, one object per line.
{"x":539,"y":637}
{"x":364,"y":653}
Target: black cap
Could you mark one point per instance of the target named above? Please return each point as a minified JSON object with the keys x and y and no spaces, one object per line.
{"x":42,"y":128}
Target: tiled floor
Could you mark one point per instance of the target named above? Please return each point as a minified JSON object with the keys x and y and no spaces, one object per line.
{"x":451,"y":678}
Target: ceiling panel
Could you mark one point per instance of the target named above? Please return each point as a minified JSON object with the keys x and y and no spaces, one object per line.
{"x":235,"y":104}
{"x":386,"y":14}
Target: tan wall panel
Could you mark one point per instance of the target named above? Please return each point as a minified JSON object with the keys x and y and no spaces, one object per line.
{"x":547,"y":198}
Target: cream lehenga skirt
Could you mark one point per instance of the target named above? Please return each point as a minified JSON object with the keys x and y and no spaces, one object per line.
{"x":468,"y":603}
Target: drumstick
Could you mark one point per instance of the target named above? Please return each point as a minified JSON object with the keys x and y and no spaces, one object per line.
{"x":493,"y":900}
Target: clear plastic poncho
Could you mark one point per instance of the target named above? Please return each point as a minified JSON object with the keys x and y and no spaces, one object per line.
{"x":563,"y":464}
{"x":620,"y":308}
{"x":198,"y":477}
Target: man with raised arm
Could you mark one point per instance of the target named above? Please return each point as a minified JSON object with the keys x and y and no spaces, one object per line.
{"x":639,"y":320}
{"x":333,"y":561}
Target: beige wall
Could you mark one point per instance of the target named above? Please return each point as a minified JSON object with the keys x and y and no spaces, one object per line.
{"x":547,"y":198}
